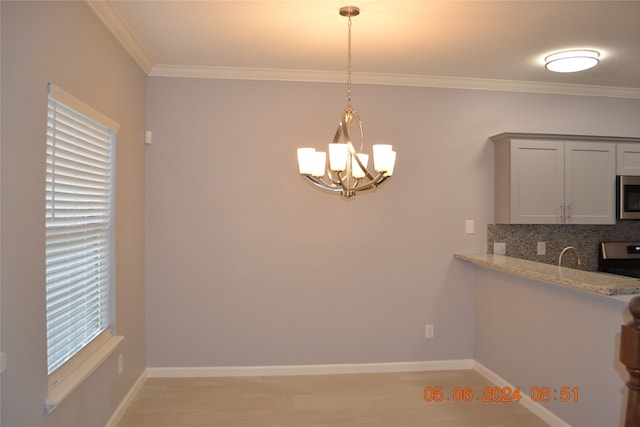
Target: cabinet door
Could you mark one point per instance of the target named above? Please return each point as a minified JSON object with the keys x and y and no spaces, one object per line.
{"x":537,"y":182}
{"x":590,"y":181}
{"x":628,"y":159}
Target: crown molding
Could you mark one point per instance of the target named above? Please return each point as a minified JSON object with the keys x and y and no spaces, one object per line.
{"x":114,"y":22}
{"x":248,"y":73}
{"x":411,"y":80}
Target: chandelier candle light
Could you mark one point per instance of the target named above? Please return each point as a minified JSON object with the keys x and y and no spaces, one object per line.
{"x":347,"y":172}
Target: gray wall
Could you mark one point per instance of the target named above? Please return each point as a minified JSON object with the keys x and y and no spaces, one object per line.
{"x":535,"y":334}
{"x":248,"y":265}
{"x":64,"y":43}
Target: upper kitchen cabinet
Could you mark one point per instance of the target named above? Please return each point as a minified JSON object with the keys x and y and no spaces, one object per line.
{"x":554,"y":179}
{"x":628,"y":159}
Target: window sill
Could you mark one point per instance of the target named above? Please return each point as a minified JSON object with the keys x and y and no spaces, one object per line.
{"x":67,"y":385}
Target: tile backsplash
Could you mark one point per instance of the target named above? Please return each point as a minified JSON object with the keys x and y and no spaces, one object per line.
{"x":521,"y":240}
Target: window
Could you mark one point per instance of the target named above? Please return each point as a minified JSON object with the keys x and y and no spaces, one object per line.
{"x":79,"y":229}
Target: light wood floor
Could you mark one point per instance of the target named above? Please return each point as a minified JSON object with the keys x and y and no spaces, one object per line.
{"x":359,"y":400}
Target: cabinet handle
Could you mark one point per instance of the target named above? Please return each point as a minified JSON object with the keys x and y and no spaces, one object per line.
{"x":561,"y":214}
{"x":568,"y":212}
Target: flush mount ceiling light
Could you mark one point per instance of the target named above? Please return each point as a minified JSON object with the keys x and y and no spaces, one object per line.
{"x":347,"y":172}
{"x":571,"y":61}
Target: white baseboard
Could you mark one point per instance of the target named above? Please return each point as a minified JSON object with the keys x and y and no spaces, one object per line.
{"x":547,"y":416}
{"x":126,"y":401}
{"x":355,"y":368}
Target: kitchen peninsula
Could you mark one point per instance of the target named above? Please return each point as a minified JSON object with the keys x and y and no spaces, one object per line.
{"x":597,"y":282}
{"x":538,"y":325}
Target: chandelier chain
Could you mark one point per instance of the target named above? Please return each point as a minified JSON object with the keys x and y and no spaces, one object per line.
{"x":349,"y":66}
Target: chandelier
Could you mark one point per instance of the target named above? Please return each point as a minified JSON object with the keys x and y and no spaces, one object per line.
{"x":347,"y":171}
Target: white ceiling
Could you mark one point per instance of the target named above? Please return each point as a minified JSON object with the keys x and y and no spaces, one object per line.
{"x":483,"y":44}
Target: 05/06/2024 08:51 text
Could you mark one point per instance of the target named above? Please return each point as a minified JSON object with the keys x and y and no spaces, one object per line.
{"x":543,"y":394}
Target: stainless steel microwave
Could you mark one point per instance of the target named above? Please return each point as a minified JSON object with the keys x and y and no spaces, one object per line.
{"x":628,"y":197}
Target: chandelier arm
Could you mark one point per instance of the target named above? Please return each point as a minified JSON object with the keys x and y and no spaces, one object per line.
{"x":323,"y":185}
{"x":362,"y":167}
{"x":348,"y":117}
{"x":359,"y":122}
{"x":376,"y":181}
{"x":333,"y":180}
{"x":337,"y":187}
{"x":345,"y":123}
{"x":344,"y":186}
{"x":338,"y":134}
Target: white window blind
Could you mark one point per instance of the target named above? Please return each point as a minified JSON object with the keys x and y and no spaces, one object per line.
{"x":79,"y":225}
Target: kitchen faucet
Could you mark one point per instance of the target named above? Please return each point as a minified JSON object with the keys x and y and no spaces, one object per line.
{"x":568,"y":248}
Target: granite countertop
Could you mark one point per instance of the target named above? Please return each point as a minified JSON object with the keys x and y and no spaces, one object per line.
{"x":590,"y":281}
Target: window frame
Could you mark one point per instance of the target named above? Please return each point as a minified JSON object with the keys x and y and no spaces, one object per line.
{"x":64,"y":378}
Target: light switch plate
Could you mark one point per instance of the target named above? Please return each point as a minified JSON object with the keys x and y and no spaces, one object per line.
{"x":499,"y":248}
{"x":470,"y":226}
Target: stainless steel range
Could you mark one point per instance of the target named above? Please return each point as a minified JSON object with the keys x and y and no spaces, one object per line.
{"x":620,"y":258}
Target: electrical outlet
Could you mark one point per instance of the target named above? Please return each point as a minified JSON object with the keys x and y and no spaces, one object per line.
{"x":428,"y":330}
{"x":499,"y":248}
{"x":542,"y":248}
